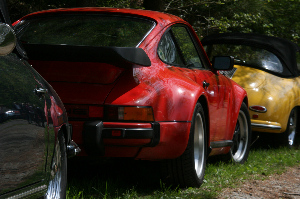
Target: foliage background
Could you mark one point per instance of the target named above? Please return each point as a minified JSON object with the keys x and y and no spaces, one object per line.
{"x":271,"y":17}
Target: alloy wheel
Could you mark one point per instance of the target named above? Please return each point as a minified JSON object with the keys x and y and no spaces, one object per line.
{"x":199,"y":144}
{"x":240,"y":138}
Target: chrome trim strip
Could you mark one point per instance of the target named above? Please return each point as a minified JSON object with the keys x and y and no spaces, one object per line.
{"x":30,"y":192}
{"x":219,"y":144}
{"x":73,"y":149}
{"x":228,"y":73}
{"x":265,"y":126}
{"x":146,"y":35}
{"x":175,"y":121}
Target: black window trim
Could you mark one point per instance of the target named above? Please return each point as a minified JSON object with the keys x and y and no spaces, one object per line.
{"x":194,"y":44}
{"x":169,"y":29}
{"x":178,"y":47}
{"x":205,"y":65}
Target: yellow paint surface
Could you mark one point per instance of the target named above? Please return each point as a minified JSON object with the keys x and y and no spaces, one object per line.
{"x":278,"y":95}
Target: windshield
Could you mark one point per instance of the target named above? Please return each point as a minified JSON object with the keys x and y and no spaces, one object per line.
{"x":87,"y":30}
{"x":247,"y":56}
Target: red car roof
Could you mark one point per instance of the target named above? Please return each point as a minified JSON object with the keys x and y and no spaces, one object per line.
{"x":162,"y":18}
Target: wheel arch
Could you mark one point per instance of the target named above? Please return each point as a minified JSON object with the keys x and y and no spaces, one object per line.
{"x":297,"y":108}
{"x":298,"y":118}
{"x":65,"y":130}
{"x":203,"y":101}
{"x":246,"y":101}
{"x":285,"y":120}
{"x":240,"y":97}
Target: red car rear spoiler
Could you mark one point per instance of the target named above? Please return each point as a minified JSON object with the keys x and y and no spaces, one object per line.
{"x":110,"y":55}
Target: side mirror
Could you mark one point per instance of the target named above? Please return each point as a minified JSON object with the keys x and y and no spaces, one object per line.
{"x":8,"y":39}
{"x":223,"y":62}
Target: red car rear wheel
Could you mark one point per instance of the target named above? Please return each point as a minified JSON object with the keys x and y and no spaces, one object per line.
{"x":188,"y":169}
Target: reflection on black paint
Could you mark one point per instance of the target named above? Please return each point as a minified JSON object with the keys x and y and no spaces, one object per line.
{"x":23,"y":136}
{"x":22,"y":147}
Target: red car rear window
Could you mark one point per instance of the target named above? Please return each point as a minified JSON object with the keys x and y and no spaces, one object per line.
{"x":87,"y":30}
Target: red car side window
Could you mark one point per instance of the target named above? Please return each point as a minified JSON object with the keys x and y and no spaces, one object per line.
{"x":168,"y":51}
{"x":187,"y":47}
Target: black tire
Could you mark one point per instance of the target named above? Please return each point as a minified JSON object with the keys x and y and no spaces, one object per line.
{"x":242,"y":137}
{"x":58,"y":183}
{"x":289,"y":137}
{"x":188,"y":169}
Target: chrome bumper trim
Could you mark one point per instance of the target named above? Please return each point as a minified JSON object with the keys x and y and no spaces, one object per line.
{"x":28,"y":193}
{"x":265,"y":126}
{"x":73,"y":149}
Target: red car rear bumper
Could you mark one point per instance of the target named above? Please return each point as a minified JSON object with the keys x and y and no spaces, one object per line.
{"x":151,"y":141}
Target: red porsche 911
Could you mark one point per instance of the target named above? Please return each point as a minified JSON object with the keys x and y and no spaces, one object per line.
{"x":138,"y":84}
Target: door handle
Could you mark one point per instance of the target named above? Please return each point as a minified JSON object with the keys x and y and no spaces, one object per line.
{"x":205,"y":84}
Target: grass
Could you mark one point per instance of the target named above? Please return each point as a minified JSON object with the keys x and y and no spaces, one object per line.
{"x":125,"y":178}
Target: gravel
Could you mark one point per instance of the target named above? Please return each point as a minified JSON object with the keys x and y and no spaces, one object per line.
{"x":286,"y":185}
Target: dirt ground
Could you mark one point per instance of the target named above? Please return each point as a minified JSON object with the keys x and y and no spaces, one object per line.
{"x":286,"y":185}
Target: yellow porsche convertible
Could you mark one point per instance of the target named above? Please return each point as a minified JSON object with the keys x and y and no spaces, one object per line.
{"x":269,"y":70}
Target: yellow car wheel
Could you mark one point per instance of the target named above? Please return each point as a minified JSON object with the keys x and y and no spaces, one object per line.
{"x":241,"y":138}
{"x":290,"y":135}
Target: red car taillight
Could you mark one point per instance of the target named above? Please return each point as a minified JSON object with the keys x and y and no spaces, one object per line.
{"x":130,"y":113}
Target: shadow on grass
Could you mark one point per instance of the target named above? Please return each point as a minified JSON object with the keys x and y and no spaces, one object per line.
{"x":260,"y":141}
{"x":91,"y":177}
{"x":112,"y":177}
{"x":122,"y":178}
{"x":271,"y":141}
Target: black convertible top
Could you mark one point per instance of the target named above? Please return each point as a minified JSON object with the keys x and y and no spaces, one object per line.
{"x":284,"y":49}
